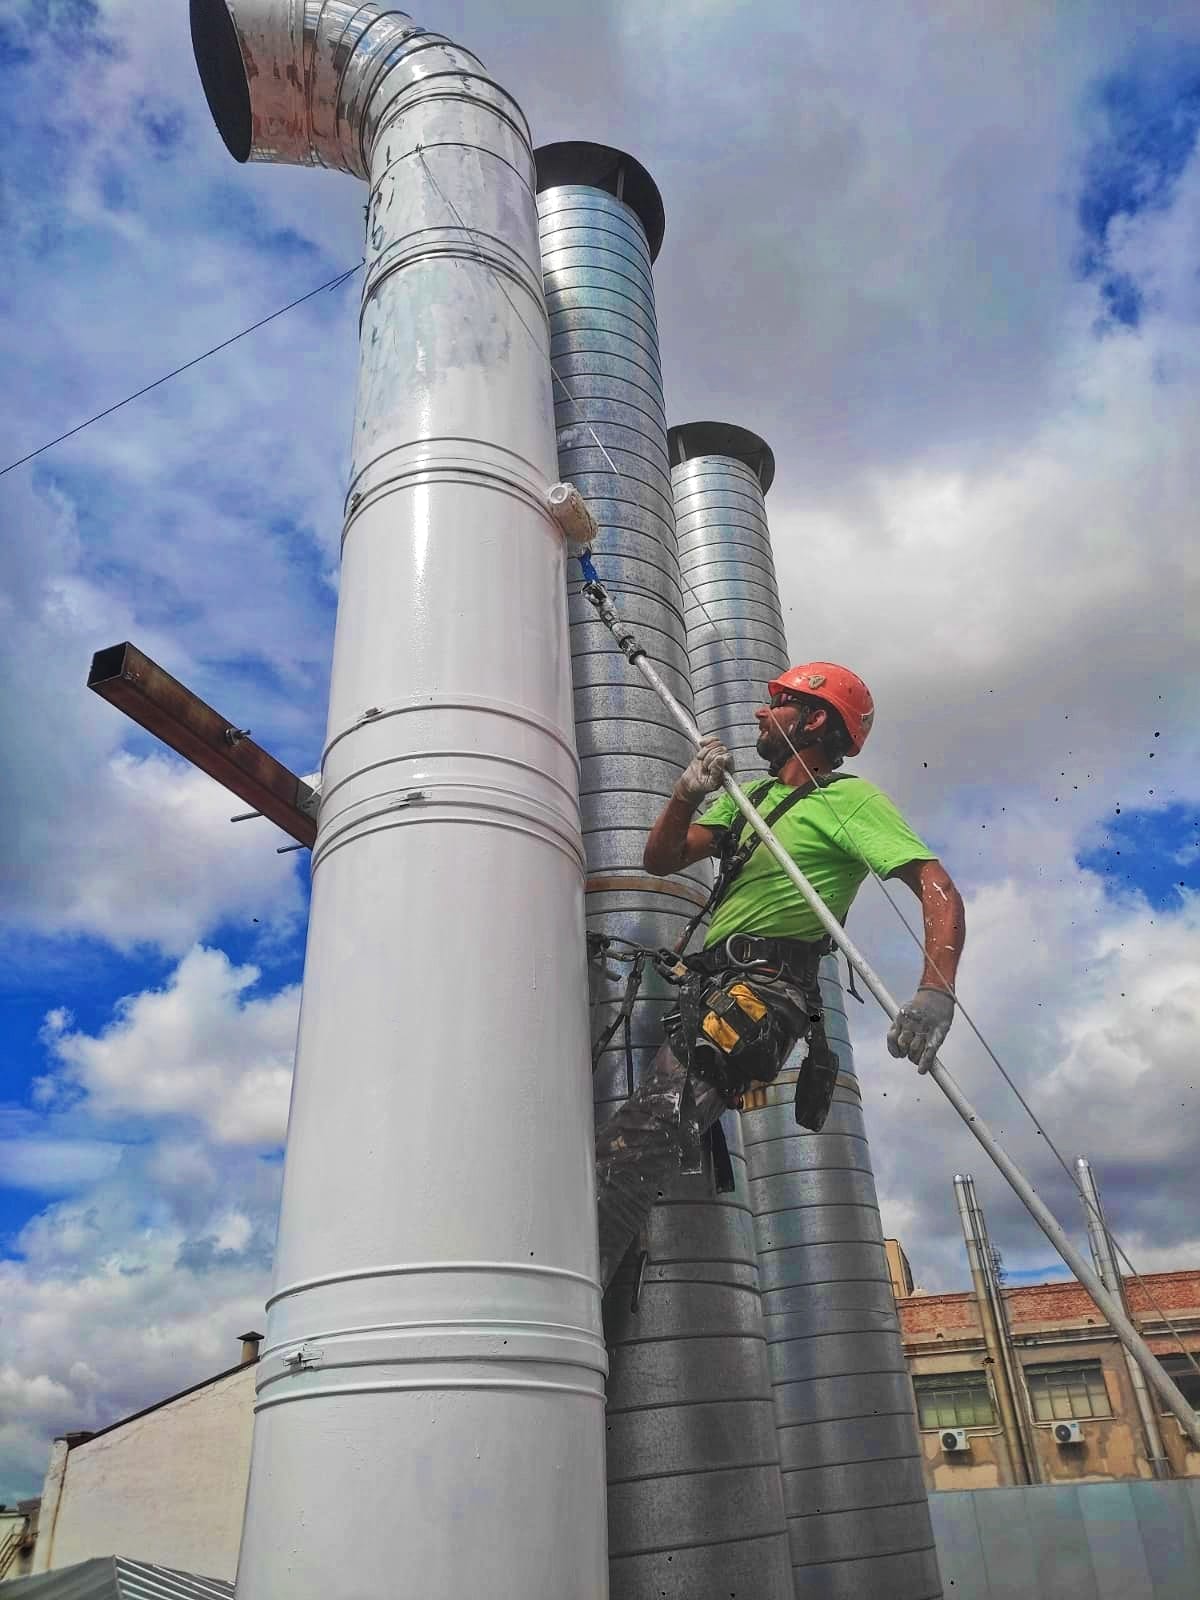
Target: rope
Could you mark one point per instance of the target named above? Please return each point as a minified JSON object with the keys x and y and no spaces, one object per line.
{"x":333,"y":283}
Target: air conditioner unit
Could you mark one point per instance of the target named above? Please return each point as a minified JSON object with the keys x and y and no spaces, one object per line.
{"x":1068,"y":1433}
{"x":955,"y":1441}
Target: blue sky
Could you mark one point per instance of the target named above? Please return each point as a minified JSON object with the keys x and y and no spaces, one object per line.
{"x":1149,"y":116}
{"x":1155,"y":854}
{"x":968,"y":321}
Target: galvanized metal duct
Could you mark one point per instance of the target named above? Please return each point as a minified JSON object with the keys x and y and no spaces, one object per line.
{"x":430,"y":1396}
{"x":858,"y":1517}
{"x":695,"y":1504}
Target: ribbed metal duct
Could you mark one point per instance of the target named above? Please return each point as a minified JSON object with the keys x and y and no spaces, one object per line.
{"x":858,"y":1517}
{"x":695,"y":1506}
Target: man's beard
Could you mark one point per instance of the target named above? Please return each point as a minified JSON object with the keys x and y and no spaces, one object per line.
{"x":774,"y":749}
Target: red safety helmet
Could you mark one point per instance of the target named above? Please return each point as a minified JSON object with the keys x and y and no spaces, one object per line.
{"x":838,"y":687}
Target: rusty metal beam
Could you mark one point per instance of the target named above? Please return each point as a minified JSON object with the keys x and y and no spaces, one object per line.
{"x":162,"y":705}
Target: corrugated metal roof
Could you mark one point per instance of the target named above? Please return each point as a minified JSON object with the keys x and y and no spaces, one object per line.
{"x":137,"y":1581}
{"x":118,"y":1578}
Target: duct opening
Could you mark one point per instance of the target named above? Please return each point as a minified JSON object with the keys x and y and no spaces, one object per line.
{"x":222,"y":73}
{"x":600,"y":166}
{"x":723,"y":439}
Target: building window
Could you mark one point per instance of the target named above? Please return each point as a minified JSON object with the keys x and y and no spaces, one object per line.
{"x":1066,"y":1390}
{"x":1185,"y":1376}
{"x":954,"y":1400}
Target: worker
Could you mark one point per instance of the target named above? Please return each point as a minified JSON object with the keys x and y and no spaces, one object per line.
{"x":752,"y":993}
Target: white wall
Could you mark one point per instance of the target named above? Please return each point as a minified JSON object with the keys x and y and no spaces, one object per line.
{"x":167,"y":1488}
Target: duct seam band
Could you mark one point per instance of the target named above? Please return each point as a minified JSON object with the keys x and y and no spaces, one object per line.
{"x":841,"y":1421}
{"x":371,"y":112}
{"x":461,"y":473}
{"x":419,"y":147}
{"x":422,"y":1344}
{"x":637,"y":1552}
{"x":392,"y":164}
{"x":397,"y":50}
{"x":458,"y":702}
{"x":619,"y":883}
{"x":430,"y":801}
{"x":424,"y":1385}
{"x":454,"y":452}
{"x":338,"y":99}
{"x":400,"y":1269}
{"x":419,"y":93}
{"x":619,"y":1481}
{"x":384,"y":268}
{"x":426,"y":1324}
{"x":416,"y":780}
{"x":401,"y":814}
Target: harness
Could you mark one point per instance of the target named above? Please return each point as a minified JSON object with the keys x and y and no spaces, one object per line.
{"x":745,"y":1002}
{"x":739,"y":1019}
{"x":736,"y":851}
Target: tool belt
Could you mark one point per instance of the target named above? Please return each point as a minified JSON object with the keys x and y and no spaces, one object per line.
{"x":797,"y":959}
{"x":746,"y":1005}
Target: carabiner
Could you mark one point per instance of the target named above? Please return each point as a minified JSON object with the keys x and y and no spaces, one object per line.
{"x":749,"y":963}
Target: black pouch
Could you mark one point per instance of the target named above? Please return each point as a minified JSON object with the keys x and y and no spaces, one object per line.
{"x":817,"y":1077}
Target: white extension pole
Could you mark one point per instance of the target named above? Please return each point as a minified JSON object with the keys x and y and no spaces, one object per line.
{"x":1042,"y":1215}
{"x":430,"y":1398}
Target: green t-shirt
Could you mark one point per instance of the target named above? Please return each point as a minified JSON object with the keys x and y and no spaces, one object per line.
{"x":834,"y":835}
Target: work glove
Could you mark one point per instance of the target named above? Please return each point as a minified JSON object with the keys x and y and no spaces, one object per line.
{"x":921,"y":1025}
{"x":703,"y":773}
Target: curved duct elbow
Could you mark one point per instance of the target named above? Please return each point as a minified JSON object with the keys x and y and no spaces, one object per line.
{"x":312,"y":84}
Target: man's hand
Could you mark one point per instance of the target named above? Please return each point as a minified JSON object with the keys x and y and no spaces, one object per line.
{"x":921,"y":1026}
{"x":703,"y":774}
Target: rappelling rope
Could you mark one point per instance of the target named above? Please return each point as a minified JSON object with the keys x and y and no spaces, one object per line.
{"x":592,"y":577}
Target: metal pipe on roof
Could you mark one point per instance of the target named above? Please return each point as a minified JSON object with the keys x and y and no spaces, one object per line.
{"x":695,"y":1504}
{"x":1008,"y":1348}
{"x":430,"y":1392}
{"x":850,"y":1452}
{"x":1018,"y":1437}
{"x":1105,"y":1258}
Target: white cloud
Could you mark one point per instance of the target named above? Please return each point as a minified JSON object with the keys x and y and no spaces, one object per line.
{"x":199,"y":1047}
{"x":1092,"y":1007}
{"x":139,"y":1282}
{"x":55,"y":1166}
{"x":103,"y":1316}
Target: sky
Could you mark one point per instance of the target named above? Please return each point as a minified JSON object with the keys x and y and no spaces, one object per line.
{"x":947,"y":267}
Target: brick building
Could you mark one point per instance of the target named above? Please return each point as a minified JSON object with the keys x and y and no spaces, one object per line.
{"x":1072,"y":1370}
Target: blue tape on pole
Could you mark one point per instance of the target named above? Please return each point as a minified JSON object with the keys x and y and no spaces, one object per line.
{"x":590,"y":575}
